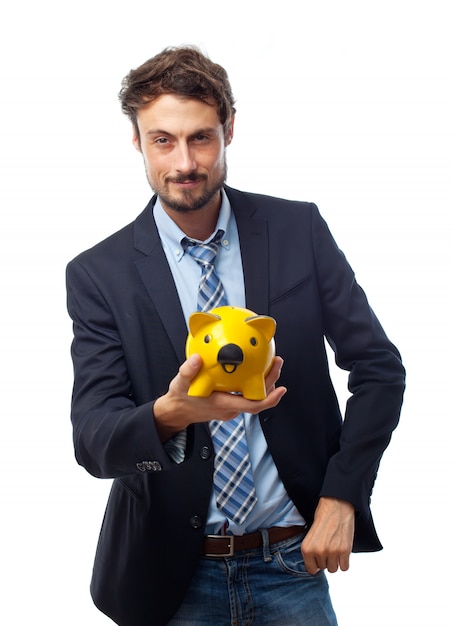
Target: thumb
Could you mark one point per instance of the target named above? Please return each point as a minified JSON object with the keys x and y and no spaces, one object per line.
{"x":190,"y":368}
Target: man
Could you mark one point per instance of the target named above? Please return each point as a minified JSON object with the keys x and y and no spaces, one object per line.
{"x":168,"y":552}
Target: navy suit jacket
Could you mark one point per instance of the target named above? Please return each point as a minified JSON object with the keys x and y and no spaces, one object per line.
{"x":129,"y":339}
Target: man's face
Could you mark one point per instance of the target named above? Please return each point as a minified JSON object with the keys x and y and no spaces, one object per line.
{"x":183,"y":146}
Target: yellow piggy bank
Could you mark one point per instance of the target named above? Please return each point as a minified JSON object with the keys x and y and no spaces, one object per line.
{"x":237,"y":348}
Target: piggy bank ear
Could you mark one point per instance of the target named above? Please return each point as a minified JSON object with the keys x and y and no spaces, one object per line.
{"x":198,"y":320}
{"x":265,"y":324}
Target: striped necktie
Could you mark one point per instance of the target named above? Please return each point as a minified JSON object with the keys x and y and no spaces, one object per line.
{"x":211,"y":293}
{"x":233,"y":478}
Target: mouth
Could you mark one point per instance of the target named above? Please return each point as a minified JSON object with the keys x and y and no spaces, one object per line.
{"x":187,"y":182}
{"x":229,"y":368}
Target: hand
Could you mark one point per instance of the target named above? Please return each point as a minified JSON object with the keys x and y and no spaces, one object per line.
{"x":328,"y":543}
{"x":175,"y":410}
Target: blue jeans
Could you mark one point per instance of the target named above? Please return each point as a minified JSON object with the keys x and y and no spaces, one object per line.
{"x":266,"y":586}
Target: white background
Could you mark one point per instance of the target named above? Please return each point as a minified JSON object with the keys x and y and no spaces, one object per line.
{"x":347,"y":104}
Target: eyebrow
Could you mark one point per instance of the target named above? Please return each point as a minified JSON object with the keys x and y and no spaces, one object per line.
{"x":200,"y":131}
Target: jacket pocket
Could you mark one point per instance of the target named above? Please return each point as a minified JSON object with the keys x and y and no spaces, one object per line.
{"x":133,"y":484}
{"x":291,"y":289}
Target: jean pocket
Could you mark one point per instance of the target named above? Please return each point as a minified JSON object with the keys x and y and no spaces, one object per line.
{"x":289,"y":559}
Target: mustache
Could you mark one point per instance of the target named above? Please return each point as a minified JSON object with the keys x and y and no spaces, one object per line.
{"x":184,"y":178}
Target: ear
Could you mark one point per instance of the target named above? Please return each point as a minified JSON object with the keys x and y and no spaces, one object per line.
{"x":265,"y":324}
{"x":229,"y":132}
{"x":136,"y":140}
{"x":199,"y":319}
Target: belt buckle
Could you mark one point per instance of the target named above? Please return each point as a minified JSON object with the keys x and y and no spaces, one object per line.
{"x":230,"y":539}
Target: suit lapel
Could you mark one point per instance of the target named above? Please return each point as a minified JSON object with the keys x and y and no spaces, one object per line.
{"x":254,"y":242}
{"x":158,"y":280}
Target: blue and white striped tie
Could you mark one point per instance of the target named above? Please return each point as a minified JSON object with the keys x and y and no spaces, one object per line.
{"x":233,"y":478}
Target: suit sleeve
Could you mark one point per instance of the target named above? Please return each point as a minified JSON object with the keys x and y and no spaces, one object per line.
{"x":376,"y":374}
{"x":112,"y":436}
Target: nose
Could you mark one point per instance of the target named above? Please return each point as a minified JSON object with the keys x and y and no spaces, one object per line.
{"x":184,"y":160}
{"x":230,"y":354}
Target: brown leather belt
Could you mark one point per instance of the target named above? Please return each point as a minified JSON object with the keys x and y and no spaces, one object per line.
{"x":227,"y":545}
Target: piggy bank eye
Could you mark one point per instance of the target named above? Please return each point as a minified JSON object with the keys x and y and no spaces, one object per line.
{"x":207,"y":338}
{"x":253,"y":341}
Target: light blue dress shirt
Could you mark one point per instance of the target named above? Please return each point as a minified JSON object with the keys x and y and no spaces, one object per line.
{"x":274,"y":507}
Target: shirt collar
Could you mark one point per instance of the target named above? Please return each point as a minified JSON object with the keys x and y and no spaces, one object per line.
{"x":172,"y":235}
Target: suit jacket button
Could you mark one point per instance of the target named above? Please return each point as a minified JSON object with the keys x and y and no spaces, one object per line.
{"x":205,"y":452}
{"x":141,"y":467}
{"x":196,"y":521}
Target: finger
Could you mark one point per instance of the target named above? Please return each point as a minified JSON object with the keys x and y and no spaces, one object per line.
{"x":276,"y":368}
{"x":258,"y":406}
{"x":190,"y":368}
{"x":332,"y":563}
{"x":344,"y":562}
{"x":311,"y":565}
{"x":187,"y":371}
{"x":274,"y":397}
{"x":273,"y":374}
{"x":310,"y":560}
{"x":338,"y":560}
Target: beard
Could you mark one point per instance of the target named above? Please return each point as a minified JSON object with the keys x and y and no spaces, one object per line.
{"x":187,"y":200}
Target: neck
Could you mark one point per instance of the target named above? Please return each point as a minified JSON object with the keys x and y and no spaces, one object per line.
{"x":198,"y":223}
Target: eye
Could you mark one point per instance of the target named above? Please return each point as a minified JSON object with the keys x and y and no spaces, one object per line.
{"x":162,"y":142}
{"x":207,"y":338}
{"x":253,"y":341}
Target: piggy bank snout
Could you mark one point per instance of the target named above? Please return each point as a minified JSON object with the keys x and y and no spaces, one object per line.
{"x":229,"y":357}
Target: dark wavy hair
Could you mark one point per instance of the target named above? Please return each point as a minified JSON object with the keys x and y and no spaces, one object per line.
{"x":183,"y":71}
